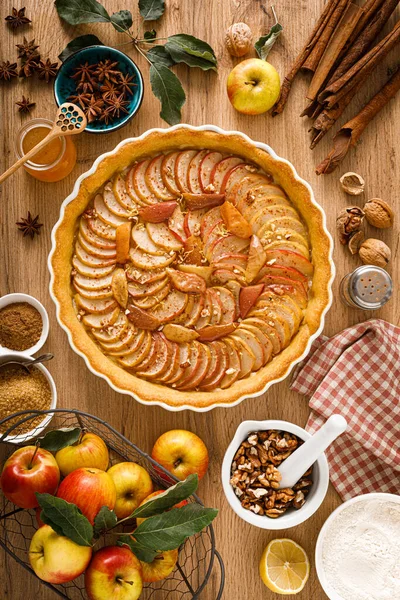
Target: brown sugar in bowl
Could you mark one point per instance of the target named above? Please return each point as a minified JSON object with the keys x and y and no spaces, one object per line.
{"x":18,"y":299}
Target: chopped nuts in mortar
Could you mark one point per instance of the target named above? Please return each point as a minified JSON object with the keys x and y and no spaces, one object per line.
{"x":255,"y":476}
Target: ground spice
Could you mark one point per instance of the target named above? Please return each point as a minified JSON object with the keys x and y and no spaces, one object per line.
{"x":20,"y":326}
{"x":20,"y":390}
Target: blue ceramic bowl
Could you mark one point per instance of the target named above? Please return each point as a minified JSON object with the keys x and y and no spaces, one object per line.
{"x":64,"y":86}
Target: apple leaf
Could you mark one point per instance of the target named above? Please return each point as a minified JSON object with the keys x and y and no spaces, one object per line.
{"x":150,"y":35}
{"x":191,"y":51}
{"x":145,"y":554}
{"x":158,"y":54}
{"x":104,"y":520}
{"x":57,"y":439}
{"x":76,"y":12}
{"x":151,"y":10}
{"x":170,"y":529}
{"x":122,"y":20}
{"x":264,"y":44}
{"x":82,"y":41}
{"x":175,"y":494}
{"x":66,"y":519}
{"x":168,"y":89}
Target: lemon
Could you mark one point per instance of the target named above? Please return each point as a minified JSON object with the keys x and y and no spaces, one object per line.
{"x":284,"y":567}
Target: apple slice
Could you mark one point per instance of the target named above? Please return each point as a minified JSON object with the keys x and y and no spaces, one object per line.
{"x":179,"y":333}
{"x":168,"y":172}
{"x":256,"y":259}
{"x":121,"y":194}
{"x":122,"y":240}
{"x":229,"y":244}
{"x":182,"y":364}
{"x":289,"y":222}
{"x":209,"y":221}
{"x":95,"y":306}
{"x":267,"y":330}
{"x":156,"y":363}
{"x":192,"y":221}
{"x":119,"y":287}
{"x":100,"y":229}
{"x":134,"y":344}
{"x":288,"y":315}
{"x":295,"y":293}
{"x":214,"y":360}
{"x":105,"y":215}
{"x":221,"y":168}
{"x":173,"y":365}
{"x":216,"y":306}
{"x":124,"y":344}
{"x":233,"y":370}
{"x":142,"y":276}
{"x":170,"y":308}
{"x":187,"y":282}
{"x":236,"y":260}
{"x":142,"y":319}
{"x":113,"y":205}
{"x":262,"y":338}
{"x":267,"y":213}
{"x":212,"y":380}
{"x":215,"y":332}
{"x":140,"y":184}
{"x":195,"y":314}
{"x":90,"y":259}
{"x":139,"y":290}
{"x":95,"y":250}
{"x":228,"y":274}
{"x":131,"y":360}
{"x":147,"y":261}
{"x":186,"y":315}
{"x":288,"y":245}
{"x":194,"y":251}
{"x":113,"y":333}
{"x":101,"y":321}
{"x":93,"y":284}
{"x":89,"y":271}
{"x":245,"y":185}
{"x":284,"y":281}
{"x":204,"y":200}
{"x":248,"y":209}
{"x":92,"y":238}
{"x":278,"y":296}
{"x":181,"y":169}
{"x":234,"y":221}
{"x":157,"y":213}
{"x":210,"y":160}
{"x":189,"y":366}
{"x":150,"y":301}
{"x":248,"y":298}
{"x":234,"y":287}
{"x":154,"y":180}
{"x":201,"y":370}
{"x":176,"y":224}
{"x":246,"y":357}
{"x":228,"y":304}
{"x":143,"y":241}
{"x":287,"y":273}
{"x":200,"y":271}
{"x":193,"y":181}
{"x":253,"y":343}
{"x":276,"y":321}
{"x":236,"y":174}
{"x":287,"y":258}
{"x":163,"y":237}
{"x":100,"y":294}
{"x":206,"y":313}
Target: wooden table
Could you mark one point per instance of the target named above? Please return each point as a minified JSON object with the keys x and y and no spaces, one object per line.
{"x":23,"y":266}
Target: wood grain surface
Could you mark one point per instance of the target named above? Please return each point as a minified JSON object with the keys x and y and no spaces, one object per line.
{"x":23,"y":266}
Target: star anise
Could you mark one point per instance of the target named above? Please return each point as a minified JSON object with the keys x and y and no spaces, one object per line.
{"x":30,"y":225}
{"x":117,"y":105}
{"x":84,"y":74}
{"x":125,"y":83}
{"x":27,"y":49}
{"x":109,"y":89}
{"x":17,"y":18}
{"x":81,"y":98}
{"x":94,"y":109}
{"x":8,"y":70}
{"x":47,"y":70}
{"x":28,"y":67}
{"x":25,"y":105}
{"x":105,"y":70}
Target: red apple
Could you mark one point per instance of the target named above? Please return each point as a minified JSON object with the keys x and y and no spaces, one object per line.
{"x":162,"y":566}
{"x":114,"y":573}
{"x":38,"y":512}
{"x":57,"y":559}
{"x":29,"y":470}
{"x":181,"y":453}
{"x":89,"y":451}
{"x":89,"y":489}
{"x":132,"y":483}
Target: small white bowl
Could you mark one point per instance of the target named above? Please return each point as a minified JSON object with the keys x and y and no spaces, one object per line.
{"x":291,"y":518}
{"x":30,"y":435}
{"x":332,"y":595}
{"x":12,"y":299}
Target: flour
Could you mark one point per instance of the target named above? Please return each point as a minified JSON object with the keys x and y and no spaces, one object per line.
{"x":361,"y":551}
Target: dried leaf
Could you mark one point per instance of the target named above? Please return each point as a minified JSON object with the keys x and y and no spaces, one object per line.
{"x":264,"y":44}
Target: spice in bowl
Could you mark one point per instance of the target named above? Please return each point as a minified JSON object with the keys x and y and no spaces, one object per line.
{"x":21,"y":326}
{"x":19,"y":391}
{"x":255,"y":474}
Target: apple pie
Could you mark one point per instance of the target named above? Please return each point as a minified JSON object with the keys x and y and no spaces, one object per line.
{"x":191,"y":268}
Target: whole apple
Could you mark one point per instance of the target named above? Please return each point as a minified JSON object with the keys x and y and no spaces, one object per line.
{"x":89,"y":489}
{"x":57,"y":559}
{"x":89,"y":451}
{"x":27,"y":471}
{"x":253,"y":86}
{"x":114,"y":572}
{"x":150,"y":497}
{"x":133,"y":485}
{"x":161,"y":567}
{"x":182,"y":453}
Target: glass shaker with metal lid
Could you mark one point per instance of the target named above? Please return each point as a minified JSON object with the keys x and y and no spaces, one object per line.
{"x":367,"y":287}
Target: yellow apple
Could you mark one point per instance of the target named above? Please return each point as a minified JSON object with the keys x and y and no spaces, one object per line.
{"x":253,"y":86}
{"x":181,"y":453}
{"x":133,"y":485}
{"x":57,"y":559}
{"x":90,"y":451}
{"x":114,"y":573}
{"x":162,"y":566}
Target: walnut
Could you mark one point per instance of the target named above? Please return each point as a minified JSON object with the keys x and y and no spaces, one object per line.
{"x":375,"y":252}
{"x":299,"y":500}
{"x":355,"y":241}
{"x":238,"y":39}
{"x":348,"y":222}
{"x":352,"y":184}
{"x":378,"y":213}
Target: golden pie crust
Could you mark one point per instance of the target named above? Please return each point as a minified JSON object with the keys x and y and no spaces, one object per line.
{"x":153,"y":143}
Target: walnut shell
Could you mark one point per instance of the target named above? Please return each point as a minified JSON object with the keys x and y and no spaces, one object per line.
{"x":378,"y":213}
{"x":238,"y":39}
{"x":348,"y":222}
{"x":375,"y":252}
{"x":352,"y":183}
{"x":355,"y":241}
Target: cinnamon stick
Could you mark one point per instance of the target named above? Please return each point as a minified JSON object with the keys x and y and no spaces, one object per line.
{"x":309,"y":45}
{"x":360,"y":70}
{"x":370,"y":8}
{"x":350,"y":133}
{"x":312,"y":61}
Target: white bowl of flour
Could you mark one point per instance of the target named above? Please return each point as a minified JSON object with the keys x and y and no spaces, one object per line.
{"x":357,"y":555}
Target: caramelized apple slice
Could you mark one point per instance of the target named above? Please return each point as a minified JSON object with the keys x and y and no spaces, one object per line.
{"x":157,"y":213}
{"x":248,"y":298}
{"x":193,"y":247}
{"x":235,"y":221}
{"x":198,"y":201}
{"x":179,"y":333}
{"x":119,"y":286}
{"x":256,"y":260}
{"x":122,"y":241}
{"x":141,"y":318}
{"x":246,"y":357}
{"x":215,"y":332}
{"x":187,"y":282}
{"x":204,"y":272}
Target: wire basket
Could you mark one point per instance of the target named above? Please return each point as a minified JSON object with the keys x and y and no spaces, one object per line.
{"x":196,"y":555}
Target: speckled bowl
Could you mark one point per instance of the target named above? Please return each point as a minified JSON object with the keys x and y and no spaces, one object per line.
{"x":64,"y":86}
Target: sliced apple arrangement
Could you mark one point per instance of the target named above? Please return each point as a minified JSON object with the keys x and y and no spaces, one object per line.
{"x":79,"y":500}
{"x":191,"y":269}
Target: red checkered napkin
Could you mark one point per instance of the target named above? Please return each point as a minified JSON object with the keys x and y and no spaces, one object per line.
{"x":356,"y":373}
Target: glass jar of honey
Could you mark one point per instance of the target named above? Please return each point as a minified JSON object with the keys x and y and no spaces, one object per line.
{"x":55,"y":161}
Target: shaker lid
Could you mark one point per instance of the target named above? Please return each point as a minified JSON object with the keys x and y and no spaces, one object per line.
{"x":370,"y":287}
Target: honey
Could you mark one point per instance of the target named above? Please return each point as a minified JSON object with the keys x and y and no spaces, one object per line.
{"x":55,"y":161}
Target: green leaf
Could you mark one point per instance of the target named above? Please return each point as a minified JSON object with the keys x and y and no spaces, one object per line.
{"x":122,"y":20}
{"x":66,"y":519}
{"x":264,"y":44}
{"x":151,"y":10}
{"x":192,"y":51}
{"x":76,"y":12}
{"x":175,"y":494}
{"x":104,"y":520}
{"x":57,"y":439}
{"x":144,"y":554}
{"x":168,"y":89}
{"x":150,"y":35}
{"x":158,"y":54}
{"x":83,"y":41}
{"x":170,"y":529}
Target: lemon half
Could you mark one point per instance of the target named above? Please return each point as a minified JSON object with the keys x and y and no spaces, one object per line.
{"x":284,"y":567}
